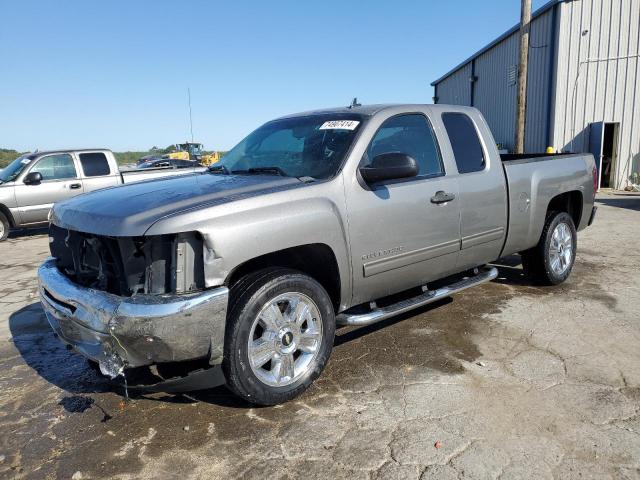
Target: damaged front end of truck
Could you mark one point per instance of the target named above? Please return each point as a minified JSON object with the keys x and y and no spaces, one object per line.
{"x":132,"y":302}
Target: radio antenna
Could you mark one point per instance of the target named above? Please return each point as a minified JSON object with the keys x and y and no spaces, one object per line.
{"x":190,"y":117}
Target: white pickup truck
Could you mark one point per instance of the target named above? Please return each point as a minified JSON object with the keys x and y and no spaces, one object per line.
{"x":33,"y":182}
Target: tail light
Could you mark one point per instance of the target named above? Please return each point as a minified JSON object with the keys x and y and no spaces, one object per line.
{"x":595,"y":179}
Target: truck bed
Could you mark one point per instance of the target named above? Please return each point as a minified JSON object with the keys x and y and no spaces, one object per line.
{"x":533,"y":157}
{"x":532,"y":181}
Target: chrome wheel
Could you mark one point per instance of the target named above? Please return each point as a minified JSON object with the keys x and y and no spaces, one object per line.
{"x":285,"y":339}
{"x":561,"y":249}
{"x":2,"y":231}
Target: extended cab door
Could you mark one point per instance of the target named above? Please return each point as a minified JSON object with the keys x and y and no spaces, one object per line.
{"x":483,"y":194}
{"x":99,"y":170}
{"x":403,"y":233}
{"x":60,"y":180}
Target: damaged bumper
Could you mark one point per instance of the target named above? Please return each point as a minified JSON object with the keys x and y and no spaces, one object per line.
{"x":121,"y":332}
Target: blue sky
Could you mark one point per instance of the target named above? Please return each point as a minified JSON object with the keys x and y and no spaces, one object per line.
{"x":115,"y":73}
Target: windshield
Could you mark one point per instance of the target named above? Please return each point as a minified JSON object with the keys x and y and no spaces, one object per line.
{"x":11,"y":171}
{"x":313,"y":146}
{"x":192,"y":148}
{"x":195,"y":149}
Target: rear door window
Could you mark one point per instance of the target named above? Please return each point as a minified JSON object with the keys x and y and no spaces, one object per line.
{"x":56,"y":167}
{"x":465,"y":142}
{"x":94,"y":164}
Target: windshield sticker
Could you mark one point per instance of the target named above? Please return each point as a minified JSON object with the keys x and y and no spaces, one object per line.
{"x":26,"y":161}
{"x":340,"y":125}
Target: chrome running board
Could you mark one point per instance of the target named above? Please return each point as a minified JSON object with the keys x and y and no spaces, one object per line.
{"x":485,"y":274}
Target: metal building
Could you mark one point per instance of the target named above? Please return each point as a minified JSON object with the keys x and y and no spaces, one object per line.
{"x":583,"y":91}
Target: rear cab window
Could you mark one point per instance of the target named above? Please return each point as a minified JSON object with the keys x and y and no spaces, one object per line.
{"x":94,"y":164}
{"x":465,"y":142}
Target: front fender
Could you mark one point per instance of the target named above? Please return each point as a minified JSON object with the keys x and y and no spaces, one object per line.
{"x":8,"y":204}
{"x":241,"y":231}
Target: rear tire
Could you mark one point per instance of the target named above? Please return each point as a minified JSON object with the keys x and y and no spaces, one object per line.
{"x":4,"y":227}
{"x":279,"y":335}
{"x":551,"y":261}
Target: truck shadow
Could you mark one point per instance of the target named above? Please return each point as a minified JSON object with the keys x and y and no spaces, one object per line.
{"x":510,"y":272}
{"x":40,"y":350}
{"x":349,"y":334}
{"x":28,"y":232}
{"x":71,"y":372}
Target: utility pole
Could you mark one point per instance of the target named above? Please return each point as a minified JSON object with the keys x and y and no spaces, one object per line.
{"x":523,"y":67}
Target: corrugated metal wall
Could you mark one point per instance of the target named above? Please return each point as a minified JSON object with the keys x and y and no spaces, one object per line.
{"x":495,"y":88}
{"x":456,"y":89}
{"x":589,"y":73}
{"x":540,"y":84}
{"x":599,"y":77}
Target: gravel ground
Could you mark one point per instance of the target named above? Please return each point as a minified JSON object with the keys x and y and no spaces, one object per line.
{"x":505,"y":380}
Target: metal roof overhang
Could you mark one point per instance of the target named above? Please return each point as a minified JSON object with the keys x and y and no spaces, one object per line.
{"x":547,"y":6}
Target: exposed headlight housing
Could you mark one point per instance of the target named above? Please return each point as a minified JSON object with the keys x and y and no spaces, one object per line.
{"x":128,"y":266}
{"x":189,"y":263}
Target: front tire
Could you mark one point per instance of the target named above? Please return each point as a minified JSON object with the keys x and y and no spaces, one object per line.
{"x":279,"y":335}
{"x":551,"y":261}
{"x":4,"y":227}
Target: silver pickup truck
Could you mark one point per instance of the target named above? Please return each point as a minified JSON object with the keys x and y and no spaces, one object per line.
{"x":316,"y":220}
{"x":33,"y":182}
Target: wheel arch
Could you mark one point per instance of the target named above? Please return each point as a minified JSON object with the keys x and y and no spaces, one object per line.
{"x":7,"y":213}
{"x":316,"y":260}
{"x":570,"y":202}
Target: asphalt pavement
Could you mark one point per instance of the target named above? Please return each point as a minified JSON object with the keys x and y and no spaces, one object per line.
{"x":506,"y":381}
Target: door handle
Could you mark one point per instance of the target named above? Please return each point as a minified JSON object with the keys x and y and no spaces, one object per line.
{"x":442,"y":197}
{"x":74,"y":186}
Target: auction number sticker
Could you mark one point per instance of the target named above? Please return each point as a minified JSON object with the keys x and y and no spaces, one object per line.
{"x":340,"y":125}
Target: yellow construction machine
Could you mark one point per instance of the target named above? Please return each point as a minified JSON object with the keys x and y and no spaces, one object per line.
{"x":194,"y":152}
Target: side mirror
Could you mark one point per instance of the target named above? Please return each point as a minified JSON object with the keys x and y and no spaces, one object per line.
{"x":33,"y":178}
{"x":389,"y":166}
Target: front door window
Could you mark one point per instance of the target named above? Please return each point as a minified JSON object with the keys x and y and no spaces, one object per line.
{"x":412,"y":135}
{"x":56,"y":167}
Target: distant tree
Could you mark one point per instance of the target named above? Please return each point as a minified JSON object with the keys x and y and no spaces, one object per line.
{"x":7,"y":156}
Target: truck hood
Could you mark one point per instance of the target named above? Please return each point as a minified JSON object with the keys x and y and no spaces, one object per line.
{"x":129,"y":210}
